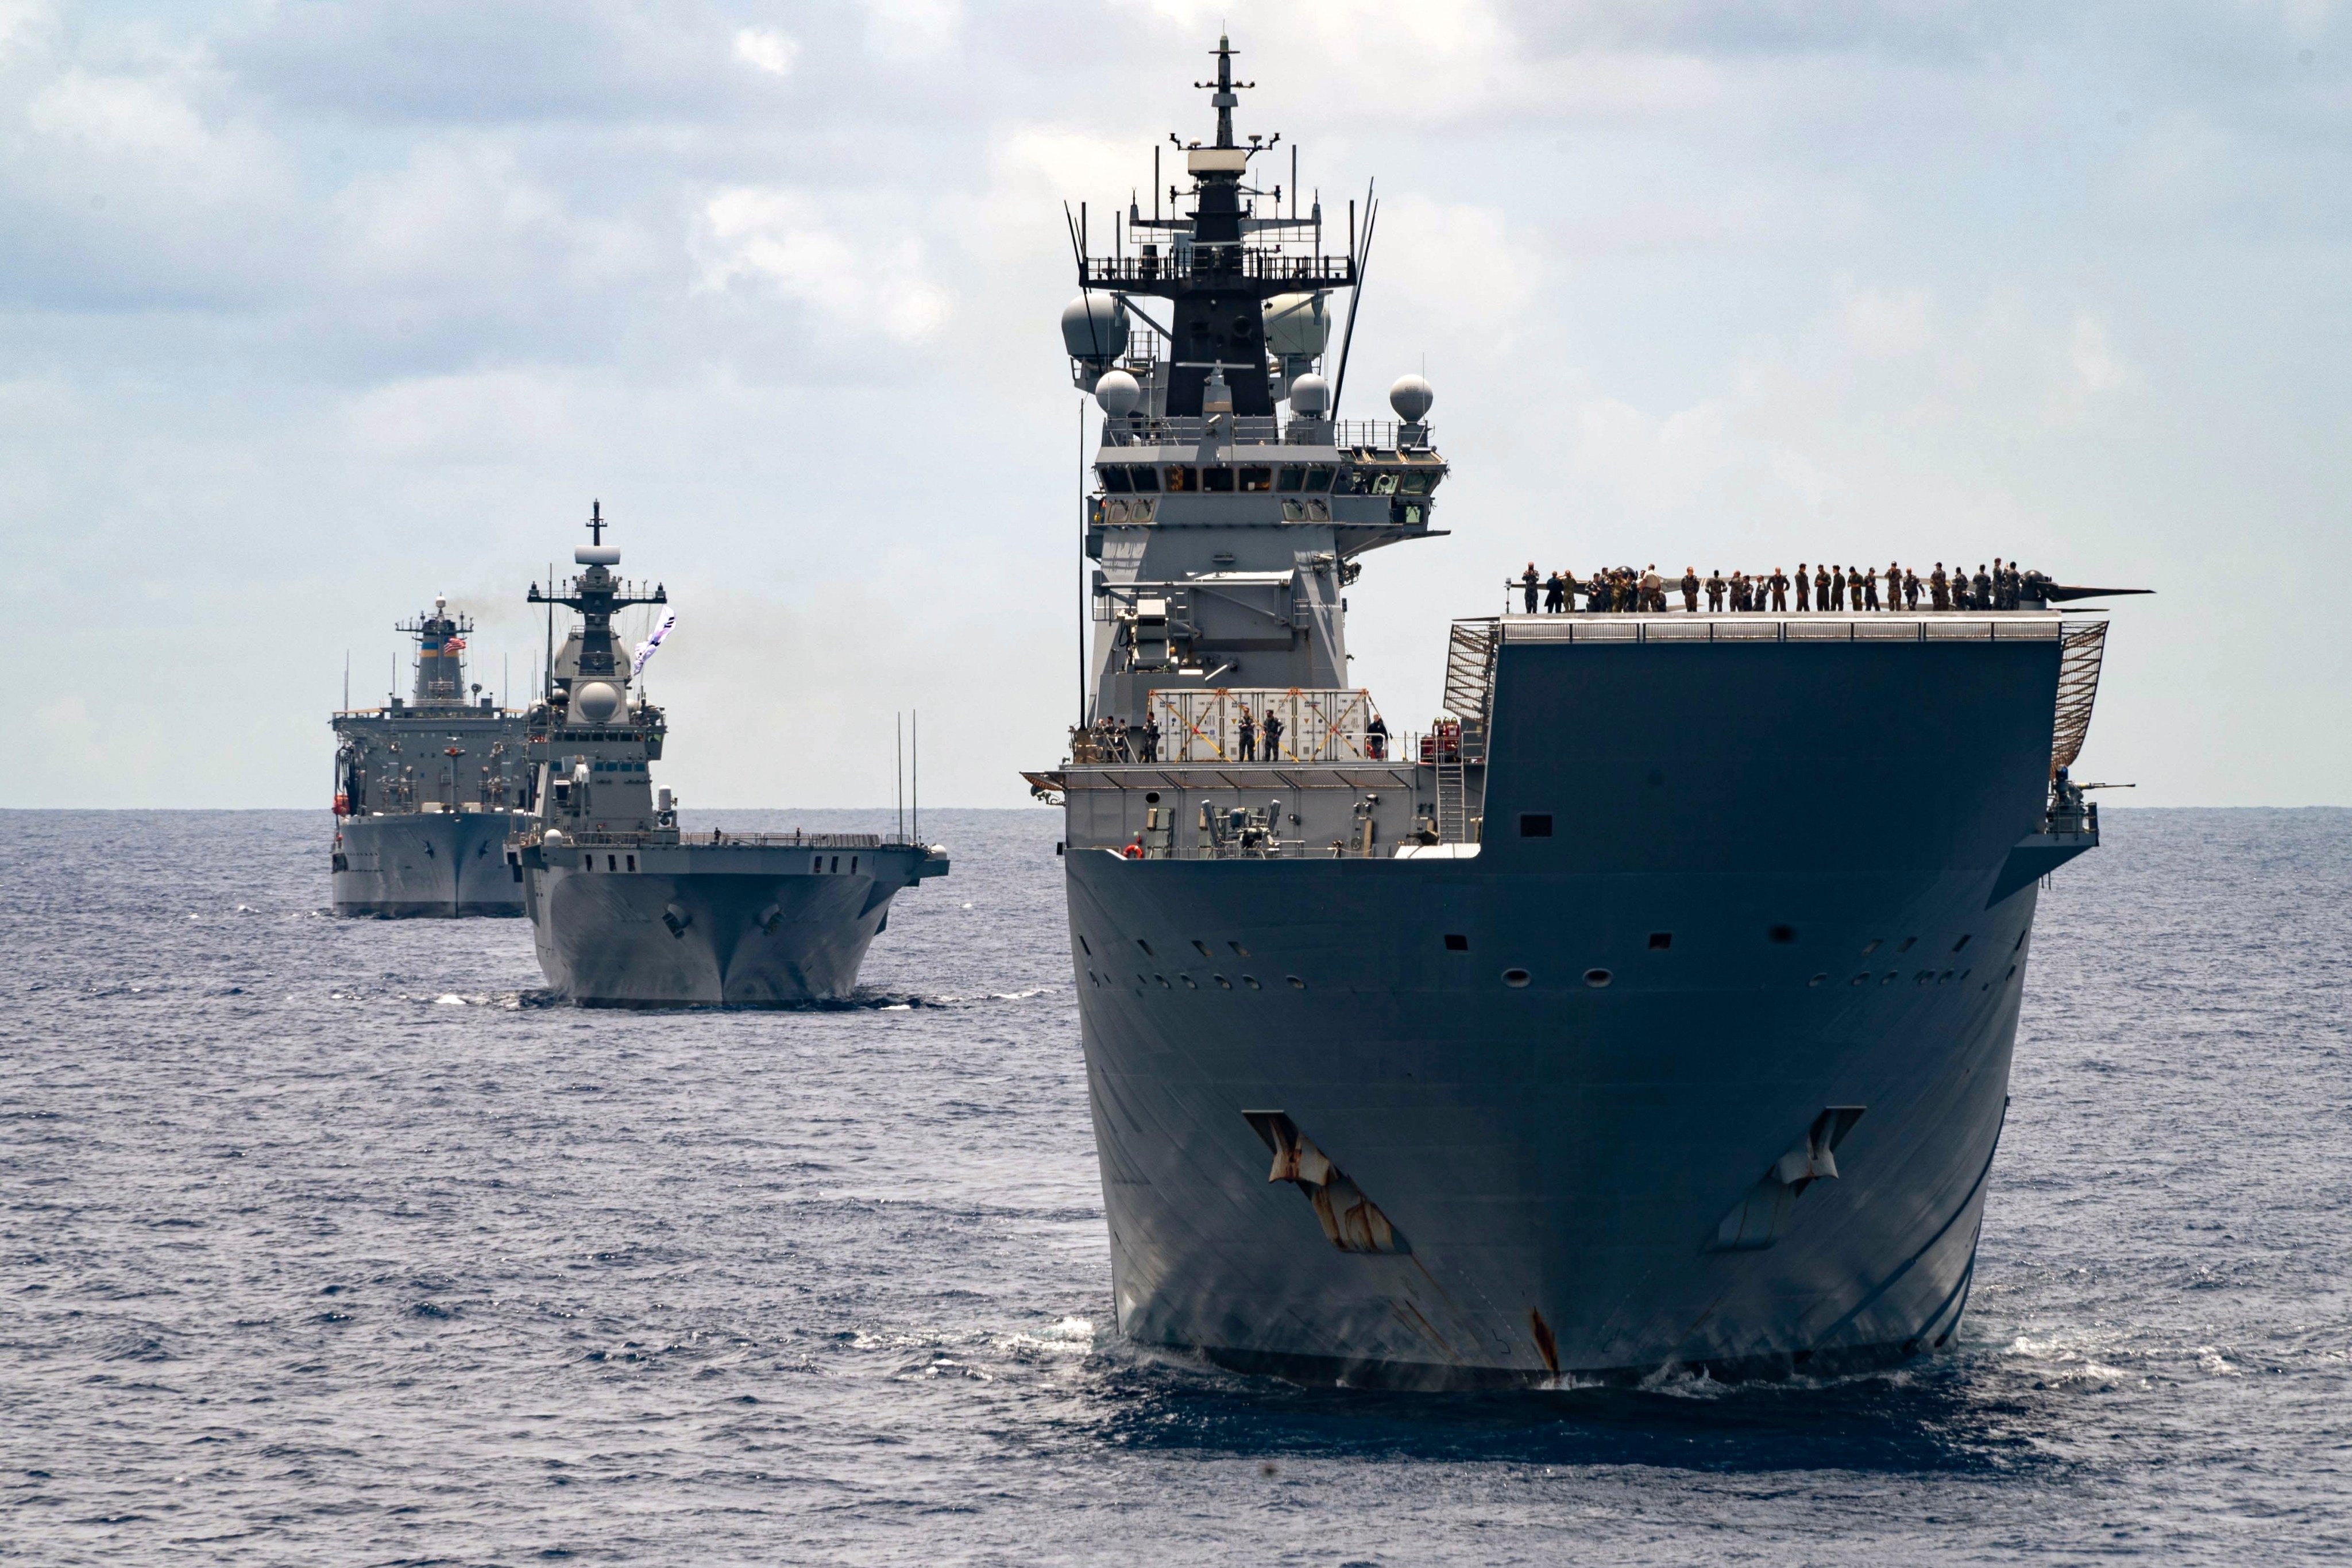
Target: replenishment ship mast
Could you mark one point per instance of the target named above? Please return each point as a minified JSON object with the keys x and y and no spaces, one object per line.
{"x":426,"y":790}
{"x":1548,"y":1044}
{"x":627,"y":909}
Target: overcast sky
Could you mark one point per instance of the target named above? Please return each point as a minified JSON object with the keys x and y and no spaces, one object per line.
{"x":310,"y":310}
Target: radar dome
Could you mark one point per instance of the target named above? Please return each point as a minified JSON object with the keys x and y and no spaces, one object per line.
{"x":1298,"y":327}
{"x":1094,"y":326}
{"x":1117,"y":394}
{"x":596,"y":701}
{"x":1310,"y":395}
{"x":1411,"y":397}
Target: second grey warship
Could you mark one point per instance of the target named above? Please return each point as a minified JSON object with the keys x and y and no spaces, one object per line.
{"x":1655,"y":1008}
{"x":627,"y":909}
{"x":426,"y":790}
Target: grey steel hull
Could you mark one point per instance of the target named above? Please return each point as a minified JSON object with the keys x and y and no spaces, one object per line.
{"x":439,"y":864}
{"x":706,"y":926}
{"x":1565,"y":1072}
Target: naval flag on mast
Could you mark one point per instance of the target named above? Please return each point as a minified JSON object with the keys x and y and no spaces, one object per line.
{"x":646,"y":649}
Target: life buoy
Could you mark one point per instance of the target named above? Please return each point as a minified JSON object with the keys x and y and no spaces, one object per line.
{"x":342,"y":804}
{"x":1134,"y":851}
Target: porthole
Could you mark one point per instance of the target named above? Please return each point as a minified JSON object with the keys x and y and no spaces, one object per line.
{"x":1860,"y":980}
{"x":1146,"y":947}
{"x":1873,"y":945}
{"x":1239,"y":951}
{"x":1151,"y":797}
{"x":1782,"y":934}
{"x":1515,"y":978}
{"x":1945,"y":978}
{"x":1817,"y":980}
{"x":1223,"y":983}
{"x":1924,"y":976}
{"x":1888,"y":978}
{"x":1251,"y":981}
{"x":1163,"y":982}
{"x":1905,"y":946}
{"x":1190,"y":984}
{"x":1660,"y":941}
{"x":1082,"y":943}
{"x":1202,"y":948}
{"x":1961,"y":943}
{"x":1597,"y":978}
{"x":1296,"y":984}
{"x":1456,"y":942}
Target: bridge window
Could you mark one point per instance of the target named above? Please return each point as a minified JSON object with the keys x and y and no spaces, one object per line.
{"x":1216,"y":479}
{"x":1145,"y":478}
{"x":1319,"y":477}
{"x":1115,"y":479}
{"x":1419,"y":484}
{"x":1181,"y":479}
{"x":1292,"y":478}
{"x":1256,"y":482}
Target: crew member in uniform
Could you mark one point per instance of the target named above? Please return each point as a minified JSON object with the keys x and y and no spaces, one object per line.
{"x":1690,"y":590}
{"x":1804,"y":590}
{"x":1837,"y":589}
{"x":1939,"y":590}
{"x":1551,"y":596}
{"x":1249,"y":735}
{"x":1714,"y":590}
{"x":1274,"y":737}
{"x":1151,"y":738}
{"x":1528,"y":581}
{"x":1781,"y":587}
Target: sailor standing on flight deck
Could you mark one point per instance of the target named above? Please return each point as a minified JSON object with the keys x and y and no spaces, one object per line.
{"x":1528,"y":581}
{"x":1715,"y":590}
{"x":1804,"y":591}
{"x":1837,"y":589}
{"x":1551,"y":596}
{"x":1690,"y":590}
{"x":1781,"y":587}
{"x":1940,"y":591}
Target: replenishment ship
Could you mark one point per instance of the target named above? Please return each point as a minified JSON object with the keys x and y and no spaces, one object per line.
{"x":1654,"y":1007}
{"x":627,"y":909}
{"x":426,"y":790}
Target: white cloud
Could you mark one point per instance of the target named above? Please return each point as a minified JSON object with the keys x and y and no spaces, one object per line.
{"x":912,"y":29}
{"x":785,"y":239}
{"x":766,"y":49}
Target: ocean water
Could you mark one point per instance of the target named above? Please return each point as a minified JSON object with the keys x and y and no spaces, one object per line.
{"x":323,"y":1241}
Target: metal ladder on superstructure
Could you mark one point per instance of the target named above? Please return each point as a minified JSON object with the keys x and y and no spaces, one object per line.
{"x":1469,"y":698}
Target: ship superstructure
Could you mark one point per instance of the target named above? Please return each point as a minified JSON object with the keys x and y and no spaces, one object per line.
{"x":1654,"y":1006}
{"x":428,"y":788}
{"x":627,"y":909}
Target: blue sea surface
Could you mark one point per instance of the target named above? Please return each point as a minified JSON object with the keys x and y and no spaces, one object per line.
{"x":328,"y":1241}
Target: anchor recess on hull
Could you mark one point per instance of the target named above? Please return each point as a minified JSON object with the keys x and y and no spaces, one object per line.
{"x":1761,"y":1217}
{"x":1351,"y":1222}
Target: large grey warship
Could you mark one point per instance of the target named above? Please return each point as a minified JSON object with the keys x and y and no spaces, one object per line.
{"x":426,"y":790}
{"x":1655,"y":1008}
{"x":627,"y":909}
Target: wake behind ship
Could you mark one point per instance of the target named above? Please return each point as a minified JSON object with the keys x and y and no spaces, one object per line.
{"x":1580,"y":1035}
{"x":428,"y":790}
{"x":627,"y":909}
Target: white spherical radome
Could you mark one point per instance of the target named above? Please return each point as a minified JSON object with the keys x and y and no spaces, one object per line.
{"x":1118,"y":393}
{"x":1412,"y":397}
{"x":596,"y":701}
{"x":1310,"y":395}
{"x":1093,"y":328}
